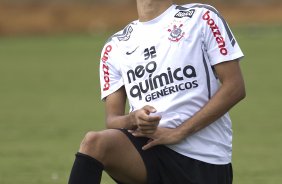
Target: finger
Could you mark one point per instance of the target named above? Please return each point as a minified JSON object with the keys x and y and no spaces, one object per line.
{"x":151,"y":143}
{"x":146,"y":133}
{"x":130,"y":131}
{"x":148,"y":114}
{"x":154,"y":118}
{"x":138,"y":134}
{"x":149,"y":109}
{"x":148,"y":128}
{"x":148,"y":118}
{"x":143,"y":133}
{"x":148,"y":125}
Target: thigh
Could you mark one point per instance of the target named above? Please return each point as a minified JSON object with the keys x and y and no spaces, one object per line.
{"x":219,"y":174}
{"x":175,"y":168}
{"x":122,"y":160}
{"x":206,"y":173}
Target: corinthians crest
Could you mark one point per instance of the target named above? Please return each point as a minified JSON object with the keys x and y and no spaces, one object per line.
{"x":176,"y":33}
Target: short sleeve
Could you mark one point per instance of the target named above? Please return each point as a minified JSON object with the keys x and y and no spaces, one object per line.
{"x":219,"y":41}
{"x":110,"y":75}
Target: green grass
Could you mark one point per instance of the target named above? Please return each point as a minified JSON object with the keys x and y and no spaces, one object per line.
{"x":257,"y":120}
{"x":50,"y":97}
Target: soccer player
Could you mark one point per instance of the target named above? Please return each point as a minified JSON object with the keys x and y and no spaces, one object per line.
{"x":178,"y":66}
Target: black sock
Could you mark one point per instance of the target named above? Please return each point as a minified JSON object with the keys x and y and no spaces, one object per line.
{"x":86,"y":170}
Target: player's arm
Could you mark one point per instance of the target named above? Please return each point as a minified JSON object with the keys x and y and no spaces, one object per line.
{"x":232,"y":90}
{"x":115,"y":105}
{"x":113,"y":92}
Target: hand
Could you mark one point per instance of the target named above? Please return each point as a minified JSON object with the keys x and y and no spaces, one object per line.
{"x":161,"y":136}
{"x":146,"y":123}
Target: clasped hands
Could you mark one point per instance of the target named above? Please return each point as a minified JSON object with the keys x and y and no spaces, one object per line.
{"x":146,"y":124}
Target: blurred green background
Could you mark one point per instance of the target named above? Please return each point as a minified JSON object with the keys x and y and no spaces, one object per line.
{"x":50,"y":94}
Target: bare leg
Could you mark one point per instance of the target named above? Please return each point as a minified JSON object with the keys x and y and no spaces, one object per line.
{"x":118,"y":155}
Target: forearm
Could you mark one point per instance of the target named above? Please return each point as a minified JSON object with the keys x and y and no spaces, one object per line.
{"x":122,"y":121}
{"x":219,"y":104}
{"x":115,"y":105}
{"x":230,"y":93}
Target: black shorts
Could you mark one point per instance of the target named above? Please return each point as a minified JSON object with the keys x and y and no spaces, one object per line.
{"x":165,"y":166}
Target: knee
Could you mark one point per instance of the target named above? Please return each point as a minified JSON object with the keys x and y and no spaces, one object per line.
{"x":90,"y":143}
{"x":101,"y":145}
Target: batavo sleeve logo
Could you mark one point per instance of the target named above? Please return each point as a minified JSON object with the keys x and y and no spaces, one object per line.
{"x":216,"y":33}
{"x":105,"y":67}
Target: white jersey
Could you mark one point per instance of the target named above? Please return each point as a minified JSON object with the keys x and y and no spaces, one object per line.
{"x":168,"y":63}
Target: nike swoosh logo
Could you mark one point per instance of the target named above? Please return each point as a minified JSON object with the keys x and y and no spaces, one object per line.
{"x":129,"y":53}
